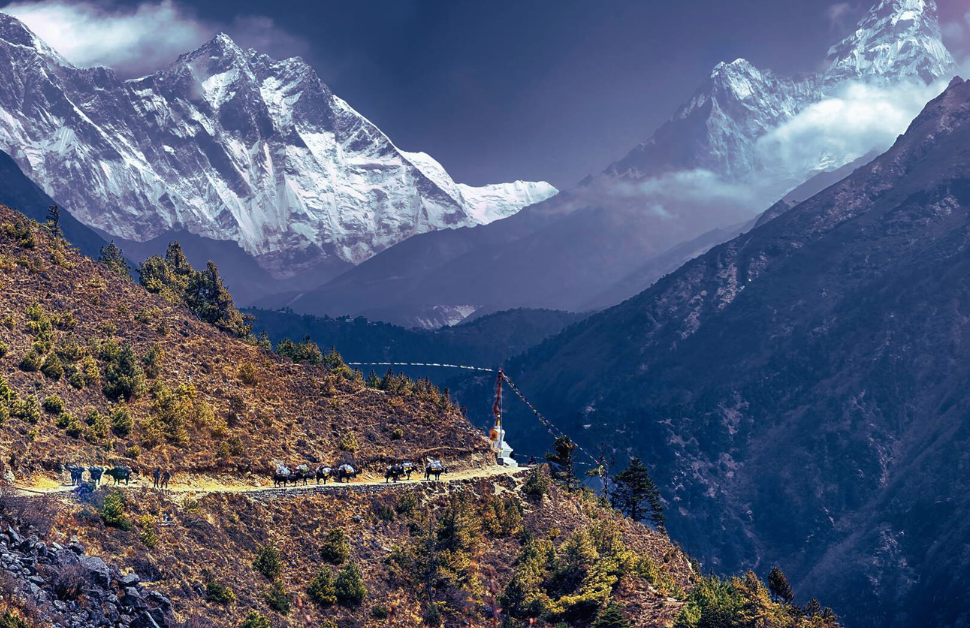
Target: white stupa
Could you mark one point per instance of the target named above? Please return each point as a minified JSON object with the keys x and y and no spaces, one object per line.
{"x":503,"y":453}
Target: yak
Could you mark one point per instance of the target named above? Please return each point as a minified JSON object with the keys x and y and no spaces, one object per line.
{"x":435,"y":468}
{"x":304,"y":473}
{"x":77,"y":474}
{"x":96,"y":473}
{"x":395,"y":472}
{"x":346,"y":472}
{"x":323,"y":473}
{"x":119,"y":473}
{"x":282,"y":476}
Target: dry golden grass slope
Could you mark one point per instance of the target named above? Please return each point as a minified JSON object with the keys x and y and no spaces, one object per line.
{"x":196,"y":402}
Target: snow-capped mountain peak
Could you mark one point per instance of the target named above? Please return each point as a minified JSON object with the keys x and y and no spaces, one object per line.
{"x":13,"y":32}
{"x":896,"y":39}
{"x":227,"y":144}
{"x":719,"y":128}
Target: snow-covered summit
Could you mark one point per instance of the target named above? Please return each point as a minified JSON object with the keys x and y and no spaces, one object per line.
{"x":719,"y":128}
{"x":896,"y":39}
{"x":227,"y":144}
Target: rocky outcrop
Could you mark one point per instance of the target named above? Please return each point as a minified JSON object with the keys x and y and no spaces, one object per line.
{"x":64,"y":586}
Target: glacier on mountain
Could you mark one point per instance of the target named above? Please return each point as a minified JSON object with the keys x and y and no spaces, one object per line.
{"x":227,"y":144}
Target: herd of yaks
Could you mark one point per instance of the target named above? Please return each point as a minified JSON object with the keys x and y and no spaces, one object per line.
{"x":346,"y":472}
{"x":118,"y":474}
{"x":283,"y":476}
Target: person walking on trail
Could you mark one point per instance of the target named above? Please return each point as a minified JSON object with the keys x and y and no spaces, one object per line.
{"x":156,"y":477}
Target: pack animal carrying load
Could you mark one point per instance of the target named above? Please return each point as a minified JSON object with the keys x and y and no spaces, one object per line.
{"x":346,"y":472}
{"x":323,"y":473}
{"x":435,"y":468}
{"x":281,"y":476}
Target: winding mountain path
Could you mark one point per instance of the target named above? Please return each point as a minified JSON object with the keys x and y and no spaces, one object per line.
{"x":183,"y":484}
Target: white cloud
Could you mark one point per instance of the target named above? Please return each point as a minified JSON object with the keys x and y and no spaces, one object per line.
{"x":678,"y":206}
{"x":141,"y":39}
{"x":851,"y":123}
{"x":133,"y":41}
{"x":858,"y":119}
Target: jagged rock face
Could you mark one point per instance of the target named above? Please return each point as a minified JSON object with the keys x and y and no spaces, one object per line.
{"x":719,"y":128}
{"x":227,"y":144}
{"x":37,"y":570}
{"x":800,"y":389}
{"x":897,"y":37}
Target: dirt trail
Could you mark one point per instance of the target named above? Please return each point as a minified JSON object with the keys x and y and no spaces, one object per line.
{"x":207,"y":484}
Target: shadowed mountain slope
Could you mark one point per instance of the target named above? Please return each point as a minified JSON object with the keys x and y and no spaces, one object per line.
{"x":801,"y":389}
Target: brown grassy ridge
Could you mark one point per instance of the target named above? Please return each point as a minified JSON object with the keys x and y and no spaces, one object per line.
{"x":295,"y":413}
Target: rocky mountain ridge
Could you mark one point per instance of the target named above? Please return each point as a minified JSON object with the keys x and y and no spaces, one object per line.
{"x":229,"y":145}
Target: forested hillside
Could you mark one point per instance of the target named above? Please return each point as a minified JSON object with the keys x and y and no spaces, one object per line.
{"x":485,"y":341}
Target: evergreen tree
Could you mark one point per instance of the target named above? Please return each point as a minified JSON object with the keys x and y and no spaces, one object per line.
{"x":335,"y":549}
{"x":779,"y":586}
{"x":610,"y":617}
{"x":425,"y":558}
{"x":562,"y":461}
{"x":263,"y":341}
{"x":349,"y":586}
{"x":114,"y":259}
{"x":323,"y":588}
{"x":333,"y":360}
{"x":255,"y":620}
{"x":156,"y":277}
{"x":210,"y":300}
{"x":176,"y":261}
{"x":637,"y":496}
{"x":201,"y":291}
{"x":54,"y":221}
{"x":373,"y":381}
{"x":123,"y":376}
{"x":813,"y":608}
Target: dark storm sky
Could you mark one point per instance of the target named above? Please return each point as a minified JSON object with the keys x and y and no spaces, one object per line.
{"x":498,"y":90}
